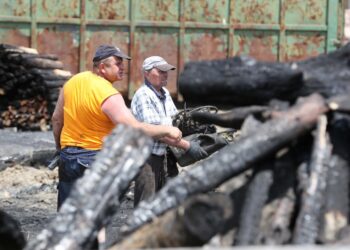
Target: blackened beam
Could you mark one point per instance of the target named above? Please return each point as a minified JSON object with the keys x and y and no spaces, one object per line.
{"x":231,"y":160}
{"x":96,"y":196}
{"x":193,"y":223}
{"x":313,"y":197}
{"x":254,"y":201}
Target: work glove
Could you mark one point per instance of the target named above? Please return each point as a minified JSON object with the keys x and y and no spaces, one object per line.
{"x":193,"y":154}
{"x":201,"y":146}
{"x":196,"y":151}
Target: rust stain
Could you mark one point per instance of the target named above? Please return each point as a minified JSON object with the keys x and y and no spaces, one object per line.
{"x":201,"y":10}
{"x":158,"y":10}
{"x":156,"y":44}
{"x":44,"y":5}
{"x":164,"y":8}
{"x":105,"y":37}
{"x":65,"y":9}
{"x":207,"y":47}
{"x":61,"y":43}
{"x":261,"y":49}
{"x":21,"y":9}
{"x":305,"y":47}
{"x":112,"y":9}
{"x":15,"y":37}
{"x":311,"y":10}
{"x":256,"y":12}
{"x":259,"y":46}
{"x":314,"y":10}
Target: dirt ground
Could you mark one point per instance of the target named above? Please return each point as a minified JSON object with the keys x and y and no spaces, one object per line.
{"x":29,"y":195}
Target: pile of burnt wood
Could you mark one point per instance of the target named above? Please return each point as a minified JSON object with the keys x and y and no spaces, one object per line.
{"x":29,"y":87}
{"x":285,"y":180}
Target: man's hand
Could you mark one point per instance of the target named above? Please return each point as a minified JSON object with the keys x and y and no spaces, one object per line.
{"x":174,"y":133}
{"x":53,"y":163}
{"x":196,"y":151}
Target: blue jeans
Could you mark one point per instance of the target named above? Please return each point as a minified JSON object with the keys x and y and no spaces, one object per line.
{"x":73,"y":163}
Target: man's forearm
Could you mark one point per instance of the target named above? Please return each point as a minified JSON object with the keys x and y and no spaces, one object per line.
{"x":185,"y":145}
{"x":57,"y":128}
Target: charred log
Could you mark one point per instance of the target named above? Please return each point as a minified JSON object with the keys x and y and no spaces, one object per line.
{"x":232,"y":159}
{"x":255,"y":199}
{"x":43,"y":63}
{"x":26,"y":75}
{"x":52,"y":74}
{"x":307,"y":226}
{"x":188,"y":126}
{"x":340,"y":103}
{"x":233,"y":118}
{"x":336,"y":210}
{"x":278,"y":213}
{"x":191,"y":224}
{"x":240,"y":81}
{"x":96,"y":195}
{"x":11,"y":236}
{"x":30,"y":114}
{"x":7,"y":48}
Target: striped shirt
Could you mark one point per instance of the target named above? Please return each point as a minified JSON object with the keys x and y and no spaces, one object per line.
{"x":152,"y":107}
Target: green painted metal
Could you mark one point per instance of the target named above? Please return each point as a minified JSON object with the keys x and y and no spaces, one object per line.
{"x":332,"y":25}
{"x":179,"y":30}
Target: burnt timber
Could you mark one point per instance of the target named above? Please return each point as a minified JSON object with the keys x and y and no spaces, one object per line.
{"x":29,"y":86}
{"x":191,"y":224}
{"x":241,"y":81}
{"x":96,"y":196}
{"x":233,"y":159}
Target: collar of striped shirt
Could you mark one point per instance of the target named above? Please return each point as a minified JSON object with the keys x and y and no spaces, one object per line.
{"x":160,"y":95}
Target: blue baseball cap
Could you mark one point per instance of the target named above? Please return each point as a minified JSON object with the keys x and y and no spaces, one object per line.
{"x":104,"y":51}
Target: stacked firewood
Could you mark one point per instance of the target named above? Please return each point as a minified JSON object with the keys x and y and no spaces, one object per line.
{"x":285,"y":180}
{"x":29,"y":87}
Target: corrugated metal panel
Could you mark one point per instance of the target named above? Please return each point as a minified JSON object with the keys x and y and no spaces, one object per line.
{"x":179,"y":30}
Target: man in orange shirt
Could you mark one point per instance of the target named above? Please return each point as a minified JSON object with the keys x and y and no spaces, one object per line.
{"x":87,"y":110}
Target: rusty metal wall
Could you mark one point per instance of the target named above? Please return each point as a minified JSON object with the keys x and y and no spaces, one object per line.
{"x":178,"y":30}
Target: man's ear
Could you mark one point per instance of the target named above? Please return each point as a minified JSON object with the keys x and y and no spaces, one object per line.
{"x":101,"y":68}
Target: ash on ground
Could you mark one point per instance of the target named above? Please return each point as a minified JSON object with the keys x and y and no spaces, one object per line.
{"x":29,"y":194}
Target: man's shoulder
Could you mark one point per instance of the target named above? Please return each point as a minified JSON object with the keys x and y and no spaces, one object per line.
{"x":142,"y":91}
{"x":166,"y":91}
{"x":88,"y":75}
{"x":83,"y":74}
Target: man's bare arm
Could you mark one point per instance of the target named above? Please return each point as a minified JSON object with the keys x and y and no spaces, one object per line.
{"x":114,"y":107}
{"x":185,"y":145}
{"x":57,"y":120}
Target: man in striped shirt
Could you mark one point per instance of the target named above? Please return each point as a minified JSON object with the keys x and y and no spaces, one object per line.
{"x":152,"y":104}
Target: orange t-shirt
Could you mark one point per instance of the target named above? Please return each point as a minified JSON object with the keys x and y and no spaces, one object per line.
{"x":85,"y":125}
